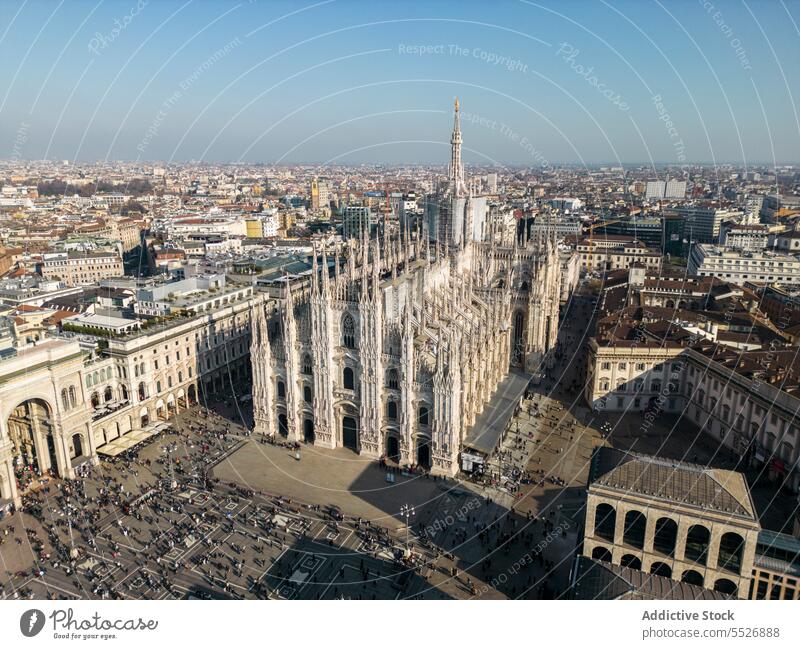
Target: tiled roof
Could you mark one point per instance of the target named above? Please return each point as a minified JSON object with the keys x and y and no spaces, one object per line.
{"x":605,"y":581}
{"x":672,"y":480}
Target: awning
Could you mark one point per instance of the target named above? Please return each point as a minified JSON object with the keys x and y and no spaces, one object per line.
{"x":490,"y":424}
{"x":129,"y":440}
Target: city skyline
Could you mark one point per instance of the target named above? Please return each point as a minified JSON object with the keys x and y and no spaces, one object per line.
{"x":343,"y":82}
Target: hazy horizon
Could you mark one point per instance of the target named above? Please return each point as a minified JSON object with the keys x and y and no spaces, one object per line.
{"x":349,"y":82}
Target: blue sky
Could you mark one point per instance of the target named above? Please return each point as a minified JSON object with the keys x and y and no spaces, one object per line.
{"x":341,"y":81}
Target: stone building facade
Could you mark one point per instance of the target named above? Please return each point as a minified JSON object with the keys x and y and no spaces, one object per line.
{"x":61,"y":403}
{"x":394,"y":347}
{"x":687,"y":522}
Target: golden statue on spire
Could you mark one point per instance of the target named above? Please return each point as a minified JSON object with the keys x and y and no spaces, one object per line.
{"x":456,"y":104}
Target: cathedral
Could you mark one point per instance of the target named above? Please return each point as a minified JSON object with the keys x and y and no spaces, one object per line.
{"x":393,"y":347}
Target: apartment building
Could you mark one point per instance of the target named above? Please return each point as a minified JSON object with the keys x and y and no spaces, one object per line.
{"x":740,"y":267}
{"x":609,"y":252}
{"x":79,"y":268}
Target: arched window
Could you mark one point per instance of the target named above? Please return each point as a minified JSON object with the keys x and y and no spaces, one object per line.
{"x":348,"y":331}
{"x":73,"y":398}
{"x":725,"y":586}
{"x":158,"y":386}
{"x":423,"y":419}
{"x":697,"y":540}
{"x":605,"y":521}
{"x":666,"y":534}
{"x":631,"y":561}
{"x":661,"y":569}
{"x":123,"y":393}
{"x":348,"y":378}
{"x":109,"y":394}
{"x":692,"y":577}
{"x":88,"y":380}
{"x":391,"y":379}
{"x":635,"y":525}
{"x":64,"y":399}
{"x":307,"y":394}
{"x":281,"y":390}
{"x":601,"y":554}
{"x":307,"y":365}
{"x":391,"y":410}
{"x":731,"y":548}
{"x":95,"y":400}
{"x":142,"y":392}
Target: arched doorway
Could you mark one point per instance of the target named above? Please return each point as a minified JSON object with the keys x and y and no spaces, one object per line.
{"x":350,"y":433}
{"x":77,"y":446}
{"x":393,"y":448}
{"x":29,"y":425}
{"x":144,"y":417}
{"x":283,"y":425}
{"x":160,"y":410}
{"x":424,"y":452}
{"x":192,"y":392}
{"x":308,"y":431}
{"x":517,"y":347}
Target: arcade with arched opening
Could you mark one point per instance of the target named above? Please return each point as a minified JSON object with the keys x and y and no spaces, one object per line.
{"x":30,"y":429}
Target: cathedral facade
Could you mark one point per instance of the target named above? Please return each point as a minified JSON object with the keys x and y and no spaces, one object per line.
{"x":394,"y":347}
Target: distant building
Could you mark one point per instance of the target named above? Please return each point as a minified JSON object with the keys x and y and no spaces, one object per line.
{"x":357,"y":220}
{"x":741,"y":267}
{"x":320,"y":195}
{"x":702,"y":223}
{"x":675,"y":189}
{"x":566,"y":204}
{"x":748,"y":238}
{"x":669,"y":189}
{"x":655,"y":190}
{"x":610,"y":252}
{"x":75,"y":268}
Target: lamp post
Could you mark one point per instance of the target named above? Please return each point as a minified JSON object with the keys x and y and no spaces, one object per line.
{"x":407,"y":511}
{"x":73,"y":552}
{"x":173,"y":483}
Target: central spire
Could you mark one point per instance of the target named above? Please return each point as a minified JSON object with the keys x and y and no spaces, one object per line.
{"x":456,"y":168}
